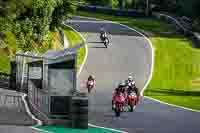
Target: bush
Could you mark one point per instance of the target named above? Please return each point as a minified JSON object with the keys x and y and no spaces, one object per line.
{"x":196,"y":25}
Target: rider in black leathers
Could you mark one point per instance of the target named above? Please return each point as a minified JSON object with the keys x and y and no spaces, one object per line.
{"x":103,"y":33}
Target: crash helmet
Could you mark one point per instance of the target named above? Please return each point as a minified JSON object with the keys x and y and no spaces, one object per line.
{"x":121,"y":84}
{"x":91,"y":77}
{"x":130,"y":78}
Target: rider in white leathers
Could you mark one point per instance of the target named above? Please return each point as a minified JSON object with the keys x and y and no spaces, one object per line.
{"x":131,"y":85}
{"x":130,"y":81}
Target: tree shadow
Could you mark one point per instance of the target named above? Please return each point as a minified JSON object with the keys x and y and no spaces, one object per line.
{"x":97,"y":47}
{"x":94,"y":42}
{"x":173,"y":92}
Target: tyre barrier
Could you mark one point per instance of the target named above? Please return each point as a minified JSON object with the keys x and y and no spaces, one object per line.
{"x":79,"y":113}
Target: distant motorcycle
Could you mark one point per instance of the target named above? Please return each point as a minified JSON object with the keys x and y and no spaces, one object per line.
{"x":104,"y":39}
{"x":90,"y":85}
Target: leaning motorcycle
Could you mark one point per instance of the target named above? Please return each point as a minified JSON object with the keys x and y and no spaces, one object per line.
{"x":105,"y":40}
{"x":90,"y":85}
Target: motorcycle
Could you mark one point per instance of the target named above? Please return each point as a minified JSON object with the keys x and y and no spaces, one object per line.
{"x":126,"y":101}
{"x":118,"y":104}
{"x":132,"y":100}
{"x":105,"y":40}
{"x":118,"y":108}
{"x":90,"y":85}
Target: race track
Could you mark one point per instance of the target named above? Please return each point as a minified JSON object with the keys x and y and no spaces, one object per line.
{"x":128,"y":52}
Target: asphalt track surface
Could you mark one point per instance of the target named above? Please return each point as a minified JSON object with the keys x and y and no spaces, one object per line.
{"x":128,"y":52}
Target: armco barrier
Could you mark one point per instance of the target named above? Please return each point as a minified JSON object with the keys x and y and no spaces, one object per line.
{"x":110,"y":11}
{"x":179,"y":27}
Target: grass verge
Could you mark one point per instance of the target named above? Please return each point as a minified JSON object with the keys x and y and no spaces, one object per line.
{"x":75,"y":39}
{"x":176,"y":75}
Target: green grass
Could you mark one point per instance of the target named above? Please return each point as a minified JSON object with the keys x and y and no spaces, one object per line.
{"x":7,"y":51}
{"x":176,"y":64}
{"x":9,"y":48}
{"x":75,"y":39}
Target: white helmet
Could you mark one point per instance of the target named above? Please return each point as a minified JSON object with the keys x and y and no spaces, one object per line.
{"x":130,"y":78}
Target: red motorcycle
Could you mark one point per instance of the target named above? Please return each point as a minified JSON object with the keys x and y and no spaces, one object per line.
{"x":90,"y":85}
{"x":118,"y":103}
{"x":132,"y":99}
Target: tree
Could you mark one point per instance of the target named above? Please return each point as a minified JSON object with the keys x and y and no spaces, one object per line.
{"x":31,"y":19}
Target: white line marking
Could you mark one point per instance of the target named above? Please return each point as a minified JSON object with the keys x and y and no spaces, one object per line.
{"x":28,"y":111}
{"x":107,"y":128}
{"x":86,"y":49}
{"x":40,"y":130}
{"x":173,"y":105}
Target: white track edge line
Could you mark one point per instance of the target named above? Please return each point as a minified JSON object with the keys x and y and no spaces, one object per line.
{"x":29,"y":112}
{"x":173,"y":105}
{"x":40,"y":130}
{"x":111,"y":129}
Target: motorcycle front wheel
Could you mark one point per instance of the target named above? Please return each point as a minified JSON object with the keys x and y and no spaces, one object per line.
{"x":131,"y":106}
{"x":106,"y":42}
{"x":89,"y":88}
{"x":117,"y":112}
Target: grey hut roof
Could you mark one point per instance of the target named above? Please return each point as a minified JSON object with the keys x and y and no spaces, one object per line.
{"x":53,"y":54}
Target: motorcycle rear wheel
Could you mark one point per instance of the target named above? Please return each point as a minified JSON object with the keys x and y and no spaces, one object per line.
{"x":89,"y":88}
{"x":131,"y":108}
{"x":106,"y":42}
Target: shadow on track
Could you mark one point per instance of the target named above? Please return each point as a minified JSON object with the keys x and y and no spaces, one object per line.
{"x":97,"y":47}
{"x":94,"y":42}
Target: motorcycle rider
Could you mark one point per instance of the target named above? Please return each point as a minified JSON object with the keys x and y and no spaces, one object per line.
{"x":103,"y":33}
{"x":130,"y":81}
{"x":131,"y":85}
{"x":120,"y":88}
{"x":118,"y":94}
{"x":91,"y":78}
